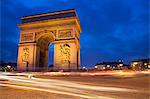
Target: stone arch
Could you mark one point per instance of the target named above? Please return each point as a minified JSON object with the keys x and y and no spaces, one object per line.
{"x":40,"y":34}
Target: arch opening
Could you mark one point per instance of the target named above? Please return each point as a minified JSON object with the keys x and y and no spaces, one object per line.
{"x":51,"y":56}
{"x":43,"y":44}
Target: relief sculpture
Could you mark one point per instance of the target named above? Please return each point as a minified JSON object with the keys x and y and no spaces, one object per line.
{"x":65,"y":53}
{"x":67,"y":33}
{"x":25,"y":54}
{"x":38,"y":34}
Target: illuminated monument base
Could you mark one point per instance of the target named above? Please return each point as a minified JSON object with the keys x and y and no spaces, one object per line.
{"x":37,"y":32}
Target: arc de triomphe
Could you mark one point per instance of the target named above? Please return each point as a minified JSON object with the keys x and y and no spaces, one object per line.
{"x":37,"y":32}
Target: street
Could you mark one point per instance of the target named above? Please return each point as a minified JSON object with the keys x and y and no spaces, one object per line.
{"x":74,"y":87}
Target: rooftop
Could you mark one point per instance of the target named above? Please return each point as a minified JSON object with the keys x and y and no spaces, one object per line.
{"x":142,"y":60}
{"x":109,"y":63}
{"x":49,"y":16}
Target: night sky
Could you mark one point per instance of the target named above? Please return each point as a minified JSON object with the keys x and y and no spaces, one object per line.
{"x":112,"y":29}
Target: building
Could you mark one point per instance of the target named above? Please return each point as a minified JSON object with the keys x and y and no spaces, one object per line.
{"x":37,"y":32}
{"x":10,"y":66}
{"x":140,"y":64}
{"x":111,"y":66}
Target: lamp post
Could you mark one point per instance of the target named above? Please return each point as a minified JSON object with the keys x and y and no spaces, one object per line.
{"x":27,"y":63}
{"x":69,"y":65}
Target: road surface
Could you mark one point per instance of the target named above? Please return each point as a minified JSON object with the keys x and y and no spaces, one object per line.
{"x":70,"y":89}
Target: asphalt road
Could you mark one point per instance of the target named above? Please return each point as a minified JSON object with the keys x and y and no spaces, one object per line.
{"x":80,"y":88}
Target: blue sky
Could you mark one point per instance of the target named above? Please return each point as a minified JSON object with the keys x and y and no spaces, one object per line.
{"x":112,"y":29}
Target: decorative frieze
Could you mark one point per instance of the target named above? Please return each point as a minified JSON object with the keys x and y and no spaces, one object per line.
{"x":66,"y":33}
{"x":38,"y":34}
{"x":27,"y":37}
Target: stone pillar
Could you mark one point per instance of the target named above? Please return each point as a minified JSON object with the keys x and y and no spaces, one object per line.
{"x":65,"y":57}
{"x":27,"y":59}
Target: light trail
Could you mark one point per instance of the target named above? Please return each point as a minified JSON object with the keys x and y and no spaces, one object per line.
{"x":58,"y":92}
{"x":88,"y":87}
{"x":71,"y":88}
{"x":65,"y":85}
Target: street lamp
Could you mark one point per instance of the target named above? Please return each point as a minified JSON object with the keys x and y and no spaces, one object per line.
{"x":27,"y":65}
{"x":69,"y":65}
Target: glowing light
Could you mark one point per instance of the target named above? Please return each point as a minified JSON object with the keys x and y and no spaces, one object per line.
{"x":120,"y":64}
{"x":95,"y":66}
{"x":64,"y":85}
{"x":58,"y":92}
{"x":108,"y":65}
{"x":84,"y":67}
{"x":135,"y":63}
{"x":8,"y":66}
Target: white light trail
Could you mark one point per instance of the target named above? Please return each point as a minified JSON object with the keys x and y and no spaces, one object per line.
{"x":58,"y":92}
{"x":65,"y":85}
{"x":71,"y":88}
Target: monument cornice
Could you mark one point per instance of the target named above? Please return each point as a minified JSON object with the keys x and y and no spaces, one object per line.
{"x":51,"y":23}
{"x":50,"y":13}
{"x":27,"y":44}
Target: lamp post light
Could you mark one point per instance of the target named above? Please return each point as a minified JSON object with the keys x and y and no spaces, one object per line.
{"x":9,"y":67}
{"x":69,"y":65}
{"x":96,"y":67}
{"x":27,"y":63}
{"x":84,"y":67}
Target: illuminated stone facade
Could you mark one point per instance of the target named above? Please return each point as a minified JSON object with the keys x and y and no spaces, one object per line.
{"x":37,"y":32}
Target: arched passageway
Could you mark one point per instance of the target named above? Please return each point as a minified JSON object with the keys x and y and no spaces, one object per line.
{"x":43,"y":43}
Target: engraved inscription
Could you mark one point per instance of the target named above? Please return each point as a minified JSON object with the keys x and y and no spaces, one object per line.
{"x":27,"y":37}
